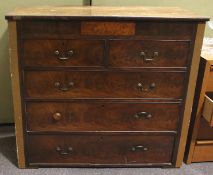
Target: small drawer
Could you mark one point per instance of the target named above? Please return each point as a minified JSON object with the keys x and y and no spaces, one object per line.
{"x":49,"y":28}
{"x":90,"y":150}
{"x":102,"y":116}
{"x":104,"y":84}
{"x":208,"y":108}
{"x":146,"y":53}
{"x":107,"y":28}
{"x":63,"y":53}
{"x":166,"y":30}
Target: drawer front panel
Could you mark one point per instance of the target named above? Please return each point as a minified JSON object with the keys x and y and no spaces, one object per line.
{"x":45,"y":53}
{"x":170,"y":30}
{"x":39,"y":28}
{"x":100,"y":116}
{"x":142,"y":53}
{"x":93,"y":149}
{"x":93,"y":84}
{"x":108,"y":28}
{"x":146,"y":29}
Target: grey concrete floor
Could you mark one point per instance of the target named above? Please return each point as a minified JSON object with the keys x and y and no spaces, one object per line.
{"x":8,"y":164}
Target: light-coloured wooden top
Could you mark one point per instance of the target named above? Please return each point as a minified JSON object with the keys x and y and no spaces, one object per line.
{"x":208,"y":57}
{"x":49,"y":12}
{"x":207,"y":51}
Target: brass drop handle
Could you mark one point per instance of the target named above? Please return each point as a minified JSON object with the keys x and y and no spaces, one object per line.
{"x":64,"y":151}
{"x":141,"y":115}
{"x":57,"y":116}
{"x":62,"y":87}
{"x":139,"y":148}
{"x":143,"y":89}
{"x":148,"y":58}
{"x":64,"y":58}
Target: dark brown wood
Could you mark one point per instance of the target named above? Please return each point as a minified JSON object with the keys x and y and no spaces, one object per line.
{"x":104,"y":84}
{"x":108,"y":28}
{"x":97,"y":116}
{"x":50,"y":27}
{"x":145,"y":29}
{"x":41,"y":53}
{"x":170,"y":53}
{"x":160,"y":29}
{"x":94,"y":149}
{"x":87,"y":98}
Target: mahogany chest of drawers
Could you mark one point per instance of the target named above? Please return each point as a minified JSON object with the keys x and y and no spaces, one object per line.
{"x":103,"y":86}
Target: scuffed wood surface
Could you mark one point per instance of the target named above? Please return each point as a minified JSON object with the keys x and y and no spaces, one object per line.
{"x":128,"y":12}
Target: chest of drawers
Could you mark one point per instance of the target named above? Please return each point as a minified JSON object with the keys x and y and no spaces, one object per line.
{"x":200,"y":139}
{"x":103,"y":86}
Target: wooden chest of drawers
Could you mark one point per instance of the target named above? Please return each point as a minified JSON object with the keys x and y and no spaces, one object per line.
{"x":200,"y":139}
{"x":100,"y":86}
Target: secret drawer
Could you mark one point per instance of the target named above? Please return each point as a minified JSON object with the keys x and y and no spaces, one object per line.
{"x":103,"y":84}
{"x":95,"y":149}
{"x":146,"y":53}
{"x":102,"y":116}
{"x":148,"y":29}
{"x":62,"y":53}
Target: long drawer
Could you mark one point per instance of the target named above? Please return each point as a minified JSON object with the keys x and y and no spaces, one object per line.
{"x":103,"y":84}
{"x":102,"y":116}
{"x":96,"y":149}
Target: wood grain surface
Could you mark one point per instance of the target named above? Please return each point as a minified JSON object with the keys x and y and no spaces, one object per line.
{"x":49,"y":12}
{"x":16,"y":91}
{"x":93,"y":149}
{"x":97,"y":116}
{"x":104,"y":84}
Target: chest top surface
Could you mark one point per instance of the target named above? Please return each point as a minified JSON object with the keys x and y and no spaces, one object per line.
{"x":90,"y":12}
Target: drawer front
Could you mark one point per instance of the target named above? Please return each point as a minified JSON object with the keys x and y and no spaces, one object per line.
{"x":169,"y":29}
{"x":94,"y":149}
{"x":108,"y":28}
{"x":100,"y":116}
{"x":63,"y":53}
{"x":146,"y":29}
{"x":146,"y":53}
{"x":94,"y":84}
{"x":50,"y":28}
